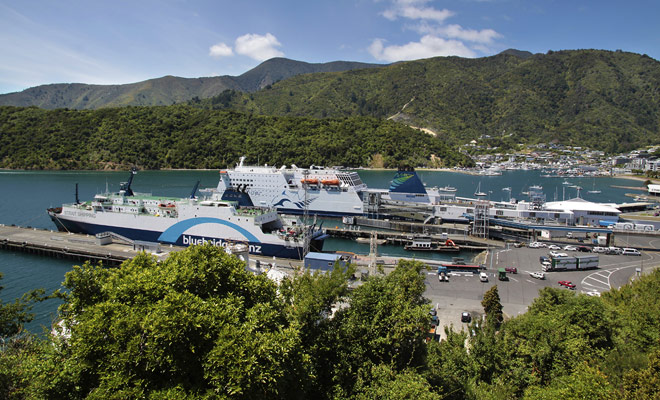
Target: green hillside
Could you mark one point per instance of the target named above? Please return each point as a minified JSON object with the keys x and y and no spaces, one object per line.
{"x":187,"y":137}
{"x":168,"y":89}
{"x":602,"y":99}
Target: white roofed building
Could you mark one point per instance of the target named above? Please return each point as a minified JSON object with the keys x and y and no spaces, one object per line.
{"x":585,"y":212}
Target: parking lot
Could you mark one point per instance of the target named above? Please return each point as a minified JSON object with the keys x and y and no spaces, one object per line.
{"x":464,"y":291}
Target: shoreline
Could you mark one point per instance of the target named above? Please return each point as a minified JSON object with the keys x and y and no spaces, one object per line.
{"x":637,"y":178}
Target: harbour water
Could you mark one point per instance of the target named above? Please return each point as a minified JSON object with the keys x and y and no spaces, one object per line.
{"x":26,"y":195}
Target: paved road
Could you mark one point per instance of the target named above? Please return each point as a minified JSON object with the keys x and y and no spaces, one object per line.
{"x":464,"y":291}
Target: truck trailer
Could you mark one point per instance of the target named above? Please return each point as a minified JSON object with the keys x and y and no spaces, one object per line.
{"x":571,"y":263}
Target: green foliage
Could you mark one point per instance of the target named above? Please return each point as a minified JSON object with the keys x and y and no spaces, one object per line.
{"x":644,"y":384}
{"x":492,"y":307}
{"x":187,"y":137}
{"x":198,"y":323}
{"x":585,"y":383}
{"x":200,"y":326}
{"x":605,"y":100}
{"x":385,"y":323}
{"x":387,"y":384}
{"x":14,"y":315}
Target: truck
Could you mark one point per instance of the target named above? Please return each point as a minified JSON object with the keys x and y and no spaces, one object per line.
{"x":443,"y":274}
{"x":630,"y":226}
{"x":571,"y":263}
{"x":501,"y":275}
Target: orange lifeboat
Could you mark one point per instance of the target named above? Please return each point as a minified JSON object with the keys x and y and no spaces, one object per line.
{"x":330,"y":181}
{"x":310,"y":181}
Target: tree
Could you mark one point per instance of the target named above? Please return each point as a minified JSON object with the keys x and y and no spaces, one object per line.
{"x":14,"y":315}
{"x":644,"y":384}
{"x":492,"y":307}
{"x":196,"y":325}
{"x":385,"y":323}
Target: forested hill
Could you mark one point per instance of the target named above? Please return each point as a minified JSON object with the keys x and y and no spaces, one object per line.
{"x":186,"y":137}
{"x":168,"y":89}
{"x":602,"y":99}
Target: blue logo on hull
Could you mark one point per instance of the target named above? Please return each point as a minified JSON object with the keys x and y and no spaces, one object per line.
{"x":172,"y":234}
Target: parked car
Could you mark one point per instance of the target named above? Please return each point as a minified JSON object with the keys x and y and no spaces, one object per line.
{"x":554,"y":247}
{"x":433,"y":312}
{"x":483,"y":277}
{"x":567,"y":284}
{"x":537,"y":275}
{"x":570,"y":247}
{"x":511,"y":270}
{"x":630,"y":252}
{"x":466,"y":317}
{"x":558,"y":254}
{"x":435,"y":321}
{"x":599,"y":249}
{"x":613,"y":250}
{"x":585,"y":249}
{"x":593,"y":293}
{"x":536,"y":245}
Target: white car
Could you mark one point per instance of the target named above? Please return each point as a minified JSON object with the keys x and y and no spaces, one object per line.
{"x":599,"y":249}
{"x":554,"y":247}
{"x":536,"y":245}
{"x":537,"y":275}
{"x":483,"y":277}
{"x":593,"y":293}
{"x":570,"y":247}
{"x":557,"y":254}
{"x":630,"y":252}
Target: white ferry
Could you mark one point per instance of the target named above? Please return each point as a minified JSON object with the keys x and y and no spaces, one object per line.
{"x":324,"y":191}
{"x":186,"y":221}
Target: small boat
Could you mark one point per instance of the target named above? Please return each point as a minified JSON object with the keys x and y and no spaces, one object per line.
{"x":368,"y":241}
{"x":424,"y":243}
{"x":447,"y":189}
{"x":479,"y":193}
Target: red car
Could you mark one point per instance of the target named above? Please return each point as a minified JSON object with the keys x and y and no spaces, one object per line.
{"x":567,"y":284}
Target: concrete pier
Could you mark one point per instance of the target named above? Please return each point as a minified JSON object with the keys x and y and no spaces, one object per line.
{"x":71,"y":246}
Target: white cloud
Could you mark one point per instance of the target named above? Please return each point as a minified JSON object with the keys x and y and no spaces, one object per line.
{"x":428,"y":46}
{"x":414,"y":10}
{"x":258,"y":47}
{"x":457,"y":32}
{"x":220,"y":50}
{"x":437,"y":37}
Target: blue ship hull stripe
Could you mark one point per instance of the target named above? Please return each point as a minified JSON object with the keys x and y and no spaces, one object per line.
{"x":172,"y":234}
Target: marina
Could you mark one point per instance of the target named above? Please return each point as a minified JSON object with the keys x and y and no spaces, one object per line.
{"x":28,"y":194}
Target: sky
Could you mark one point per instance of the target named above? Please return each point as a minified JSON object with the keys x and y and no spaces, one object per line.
{"x":126,"y":41}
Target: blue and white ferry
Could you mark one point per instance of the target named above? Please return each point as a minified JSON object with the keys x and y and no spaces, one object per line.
{"x":187,"y":221}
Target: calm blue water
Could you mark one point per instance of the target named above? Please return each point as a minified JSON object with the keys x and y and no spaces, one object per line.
{"x":25,"y":196}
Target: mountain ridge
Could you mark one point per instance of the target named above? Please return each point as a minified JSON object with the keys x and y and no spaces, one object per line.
{"x":168,"y":89}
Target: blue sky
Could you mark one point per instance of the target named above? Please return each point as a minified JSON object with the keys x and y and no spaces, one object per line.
{"x":116,"y":42}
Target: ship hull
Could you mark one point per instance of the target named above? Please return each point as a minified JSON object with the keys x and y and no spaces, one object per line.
{"x":197,"y":230}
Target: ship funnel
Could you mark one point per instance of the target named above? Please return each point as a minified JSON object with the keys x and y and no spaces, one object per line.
{"x":194,"y":191}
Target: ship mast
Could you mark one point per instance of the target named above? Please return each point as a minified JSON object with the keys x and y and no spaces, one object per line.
{"x":306,"y":230}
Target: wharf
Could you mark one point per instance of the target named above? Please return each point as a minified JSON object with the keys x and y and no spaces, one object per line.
{"x":403,"y":238}
{"x":70,"y":246}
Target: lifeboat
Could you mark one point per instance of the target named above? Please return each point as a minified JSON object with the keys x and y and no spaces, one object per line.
{"x":329,"y":182}
{"x":450,"y":242}
{"x":310,"y":181}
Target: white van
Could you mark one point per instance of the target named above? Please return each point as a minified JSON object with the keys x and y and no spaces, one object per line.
{"x":483,"y":277}
{"x":630,"y":252}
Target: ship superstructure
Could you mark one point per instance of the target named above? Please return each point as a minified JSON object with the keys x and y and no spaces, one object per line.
{"x":323,"y":191}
